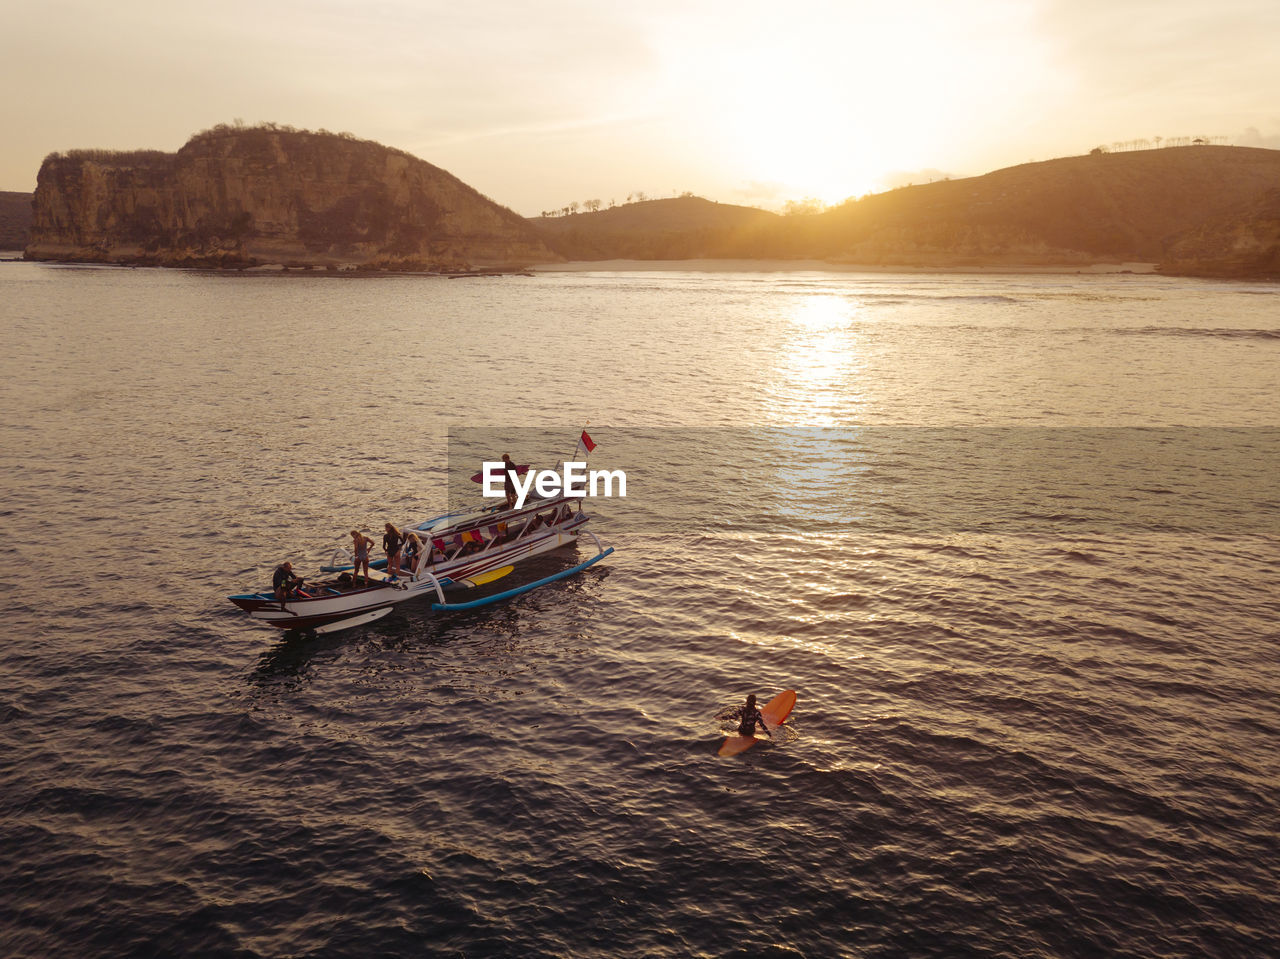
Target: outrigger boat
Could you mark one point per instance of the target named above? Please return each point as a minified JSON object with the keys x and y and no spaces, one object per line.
{"x":459,"y":550}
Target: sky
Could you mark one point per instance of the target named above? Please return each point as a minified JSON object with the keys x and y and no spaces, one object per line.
{"x":539,"y":105}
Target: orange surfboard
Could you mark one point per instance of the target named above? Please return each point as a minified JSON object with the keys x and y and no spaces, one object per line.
{"x":775,"y":713}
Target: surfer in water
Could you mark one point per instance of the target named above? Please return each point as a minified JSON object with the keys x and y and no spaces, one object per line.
{"x":749,"y":716}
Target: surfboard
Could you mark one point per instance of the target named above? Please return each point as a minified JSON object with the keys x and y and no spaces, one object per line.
{"x":481,"y":578}
{"x":736,"y":744}
{"x":775,"y":713}
{"x":776,"y":710}
{"x":520,"y":471}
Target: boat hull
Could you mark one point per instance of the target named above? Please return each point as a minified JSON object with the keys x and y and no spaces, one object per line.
{"x":332,"y":609}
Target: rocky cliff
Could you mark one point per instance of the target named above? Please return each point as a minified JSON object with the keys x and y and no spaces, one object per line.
{"x":237,"y":197}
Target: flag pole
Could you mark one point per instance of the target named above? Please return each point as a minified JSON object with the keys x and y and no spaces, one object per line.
{"x":574,"y":455}
{"x":581,"y":433}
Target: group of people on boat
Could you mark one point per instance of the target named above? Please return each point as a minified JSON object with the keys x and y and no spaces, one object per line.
{"x":406,"y":549}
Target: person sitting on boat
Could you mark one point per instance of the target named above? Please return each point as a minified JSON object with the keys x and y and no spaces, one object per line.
{"x":424,"y":554}
{"x":749,"y":716}
{"x":412,"y":549}
{"x":360,"y":546}
{"x":509,"y":480}
{"x":391,"y":542}
{"x":283,"y":582}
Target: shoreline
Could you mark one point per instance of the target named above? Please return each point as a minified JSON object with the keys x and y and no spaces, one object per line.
{"x":697,"y":265}
{"x":825,"y":266}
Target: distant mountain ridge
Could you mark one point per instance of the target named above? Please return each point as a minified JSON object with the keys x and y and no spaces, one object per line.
{"x":237,"y":197}
{"x":1142,"y":206}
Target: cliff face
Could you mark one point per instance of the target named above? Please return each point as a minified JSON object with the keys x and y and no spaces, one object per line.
{"x":241,"y":197}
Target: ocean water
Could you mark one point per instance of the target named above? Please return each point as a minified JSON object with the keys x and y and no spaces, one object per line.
{"x":1012,"y":539}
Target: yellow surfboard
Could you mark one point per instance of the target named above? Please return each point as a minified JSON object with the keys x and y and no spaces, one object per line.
{"x":775,"y":713}
{"x":481,"y":578}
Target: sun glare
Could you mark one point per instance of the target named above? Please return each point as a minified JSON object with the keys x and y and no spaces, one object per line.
{"x":837,"y":97}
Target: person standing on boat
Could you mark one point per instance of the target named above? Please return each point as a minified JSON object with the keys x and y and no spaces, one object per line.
{"x":509,"y":480}
{"x":749,"y":716}
{"x":392,"y":540}
{"x":360,"y":546}
{"x":283,"y":582}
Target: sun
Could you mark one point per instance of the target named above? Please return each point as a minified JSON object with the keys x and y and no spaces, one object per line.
{"x":837,"y":97}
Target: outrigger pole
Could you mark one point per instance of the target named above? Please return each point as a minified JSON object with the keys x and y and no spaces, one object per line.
{"x":499,"y":597}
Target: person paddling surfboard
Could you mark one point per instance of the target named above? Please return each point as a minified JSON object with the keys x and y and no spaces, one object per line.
{"x":750,"y":716}
{"x":773,"y":715}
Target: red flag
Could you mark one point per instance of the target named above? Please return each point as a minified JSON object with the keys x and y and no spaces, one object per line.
{"x":586,"y":441}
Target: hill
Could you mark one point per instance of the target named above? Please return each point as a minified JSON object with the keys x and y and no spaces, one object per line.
{"x":15,"y":220}
{"x":1242,"y":243}
{"x":686,"y":227}
{"x":1123,"y":206}
{"x":237,"y":197}
{"x":1136,"y":206}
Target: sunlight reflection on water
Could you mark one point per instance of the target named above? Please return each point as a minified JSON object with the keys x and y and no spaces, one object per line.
{"x":814,"y":378}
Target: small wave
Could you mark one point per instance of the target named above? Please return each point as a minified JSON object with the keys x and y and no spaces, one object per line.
{"x":1222,"y":333}
{"x":900,"y":297}
{"x":1080,"y":557}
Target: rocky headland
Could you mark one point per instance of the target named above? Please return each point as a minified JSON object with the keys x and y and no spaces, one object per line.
{"x":237,"y":197}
